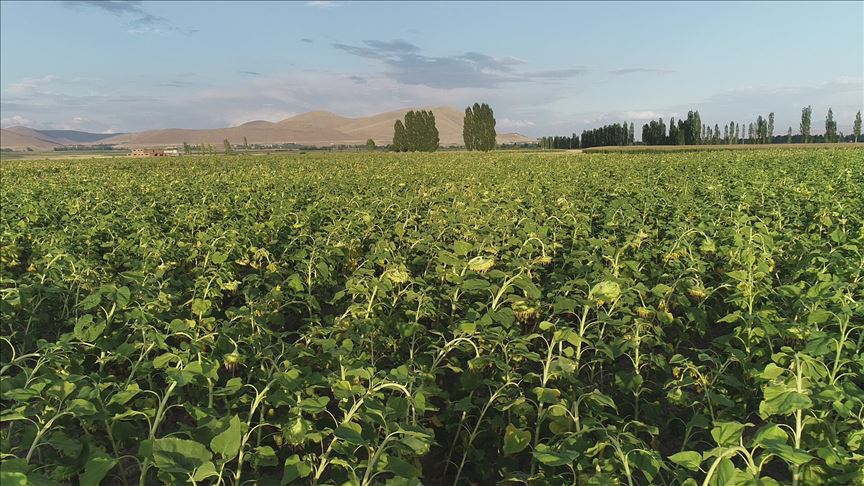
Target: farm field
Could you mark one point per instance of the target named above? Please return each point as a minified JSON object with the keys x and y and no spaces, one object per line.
{"x":450,"y":318}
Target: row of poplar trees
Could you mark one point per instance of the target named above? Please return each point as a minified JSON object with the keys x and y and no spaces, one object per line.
{"x":417,"y":134}
{"x":478,"y":128}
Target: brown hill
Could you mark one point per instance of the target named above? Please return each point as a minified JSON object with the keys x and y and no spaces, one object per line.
{"x":21,"y":138}
{"x":312,"y":128}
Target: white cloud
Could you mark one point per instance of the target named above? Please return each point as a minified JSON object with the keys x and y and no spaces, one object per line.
{"x":640,"y":115}
{"x":26,"y":85}
{"x":14,"y":121}
{"x":322,"y":4}
{"x":510,"y":124}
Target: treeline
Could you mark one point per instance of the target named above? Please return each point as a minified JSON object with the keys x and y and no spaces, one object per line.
{"x":560,"y":142}
{"x":616,"y":134}
{"x":760,"y":131}
{"x":692,"y":131}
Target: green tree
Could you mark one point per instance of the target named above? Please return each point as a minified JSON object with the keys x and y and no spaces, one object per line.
{"x":417,"y":133}
{"x":771,"y":127}
{"x":806,"y":114}
{"x":245,"y":143}
{"x":370,"y":145}
{"x":856,"y":127}
{"x":468,"y":129}
{"x":400,"y":139}
{"x":478,"y":130}
{"x":227,"y":145}
{"x":830,"y":127}
{"x":789,"y":135}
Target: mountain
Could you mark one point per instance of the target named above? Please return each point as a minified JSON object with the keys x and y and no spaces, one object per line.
{"x":53,"y":137}
{"x":20,"y":139}
{"x":74,"y":136}
{"x":312,"y":128}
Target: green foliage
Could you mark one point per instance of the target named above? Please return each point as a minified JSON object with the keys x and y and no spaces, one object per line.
{"x":856,"y":127}
{"x":830,"y":127}
{"x":806,"y":115}
{"x":370,"y":145}
{"x":478,"y":130}
{"x":686,"y":318}
{"x":417,"y":134}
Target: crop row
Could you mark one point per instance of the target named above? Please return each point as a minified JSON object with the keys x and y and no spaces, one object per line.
{"x":446,"y":318}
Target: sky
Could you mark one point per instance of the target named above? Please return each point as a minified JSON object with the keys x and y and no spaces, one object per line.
{"x":545,"y":68}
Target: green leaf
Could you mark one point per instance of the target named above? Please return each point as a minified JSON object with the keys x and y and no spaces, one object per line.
{"x":770,"y":434}
{"x":201,"y":307}
{"x":178,"y":455}
{"x":772,"y":371}
{"x":606,"y":291}
{"x":818,"y":316}
{"x":789,"y":453}
{"x":515,"y":439}
{"x":314,"y":404}
{"x":724,"y":475}
{"x":294,"y":469}
{"x":81,"y":407}
{"x":204,"y":471}
{"x":10,"y":478}
{"x":227,"y":444}
{"x":95,"y":470}
{"x":727,"y":433}
{"x":90,"y":301}
{"x":554,"y":458}
{"x":350,"y":433}
{"x":86,"y":330}
{"x":461,"y":248}
{"x":120,"y":398}
{"x":687,"y":459}
{"x":122,"y":296}
{"x":547,"y":395}
{"x":475,"y":285}
{"x":401,"y":468}
{"x":782,"y":400}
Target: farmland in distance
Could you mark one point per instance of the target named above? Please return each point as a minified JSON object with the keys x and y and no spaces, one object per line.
{"x":445,"y":318}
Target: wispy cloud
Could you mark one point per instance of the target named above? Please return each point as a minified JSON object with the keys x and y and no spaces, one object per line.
{"x":26,"y":85}
{"x":15,"y":121}
{"x":251,"y":73}
{"x":640,"y":115}
{"x":640,"y":70}
{"x":307,"y":40}
{"x":510,"y":124}
{"x":406,"y":64}
{"x":323,"y":4}
{"x":141,"y":21}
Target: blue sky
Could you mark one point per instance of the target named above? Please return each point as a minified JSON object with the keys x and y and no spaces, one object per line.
{"x":544,"y":67}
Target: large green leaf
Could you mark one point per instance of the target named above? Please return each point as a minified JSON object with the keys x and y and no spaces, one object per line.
{"x":782,"y":400}
{"x":227,"y":443}
{"x":515,"y":439}
{"x":95,"y":470}
{"x":175,"y":455}
{"x":688,"y":459}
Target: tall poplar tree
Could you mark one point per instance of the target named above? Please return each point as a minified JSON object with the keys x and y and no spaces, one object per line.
{"x":771,"y":127}
{"x":806,"y":114}
{"x":830,"y":127}
{"x":856,"y":127}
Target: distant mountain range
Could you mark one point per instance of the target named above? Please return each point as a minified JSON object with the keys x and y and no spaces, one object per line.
{"x":313,"y":128}
{"x":21,"y":137}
